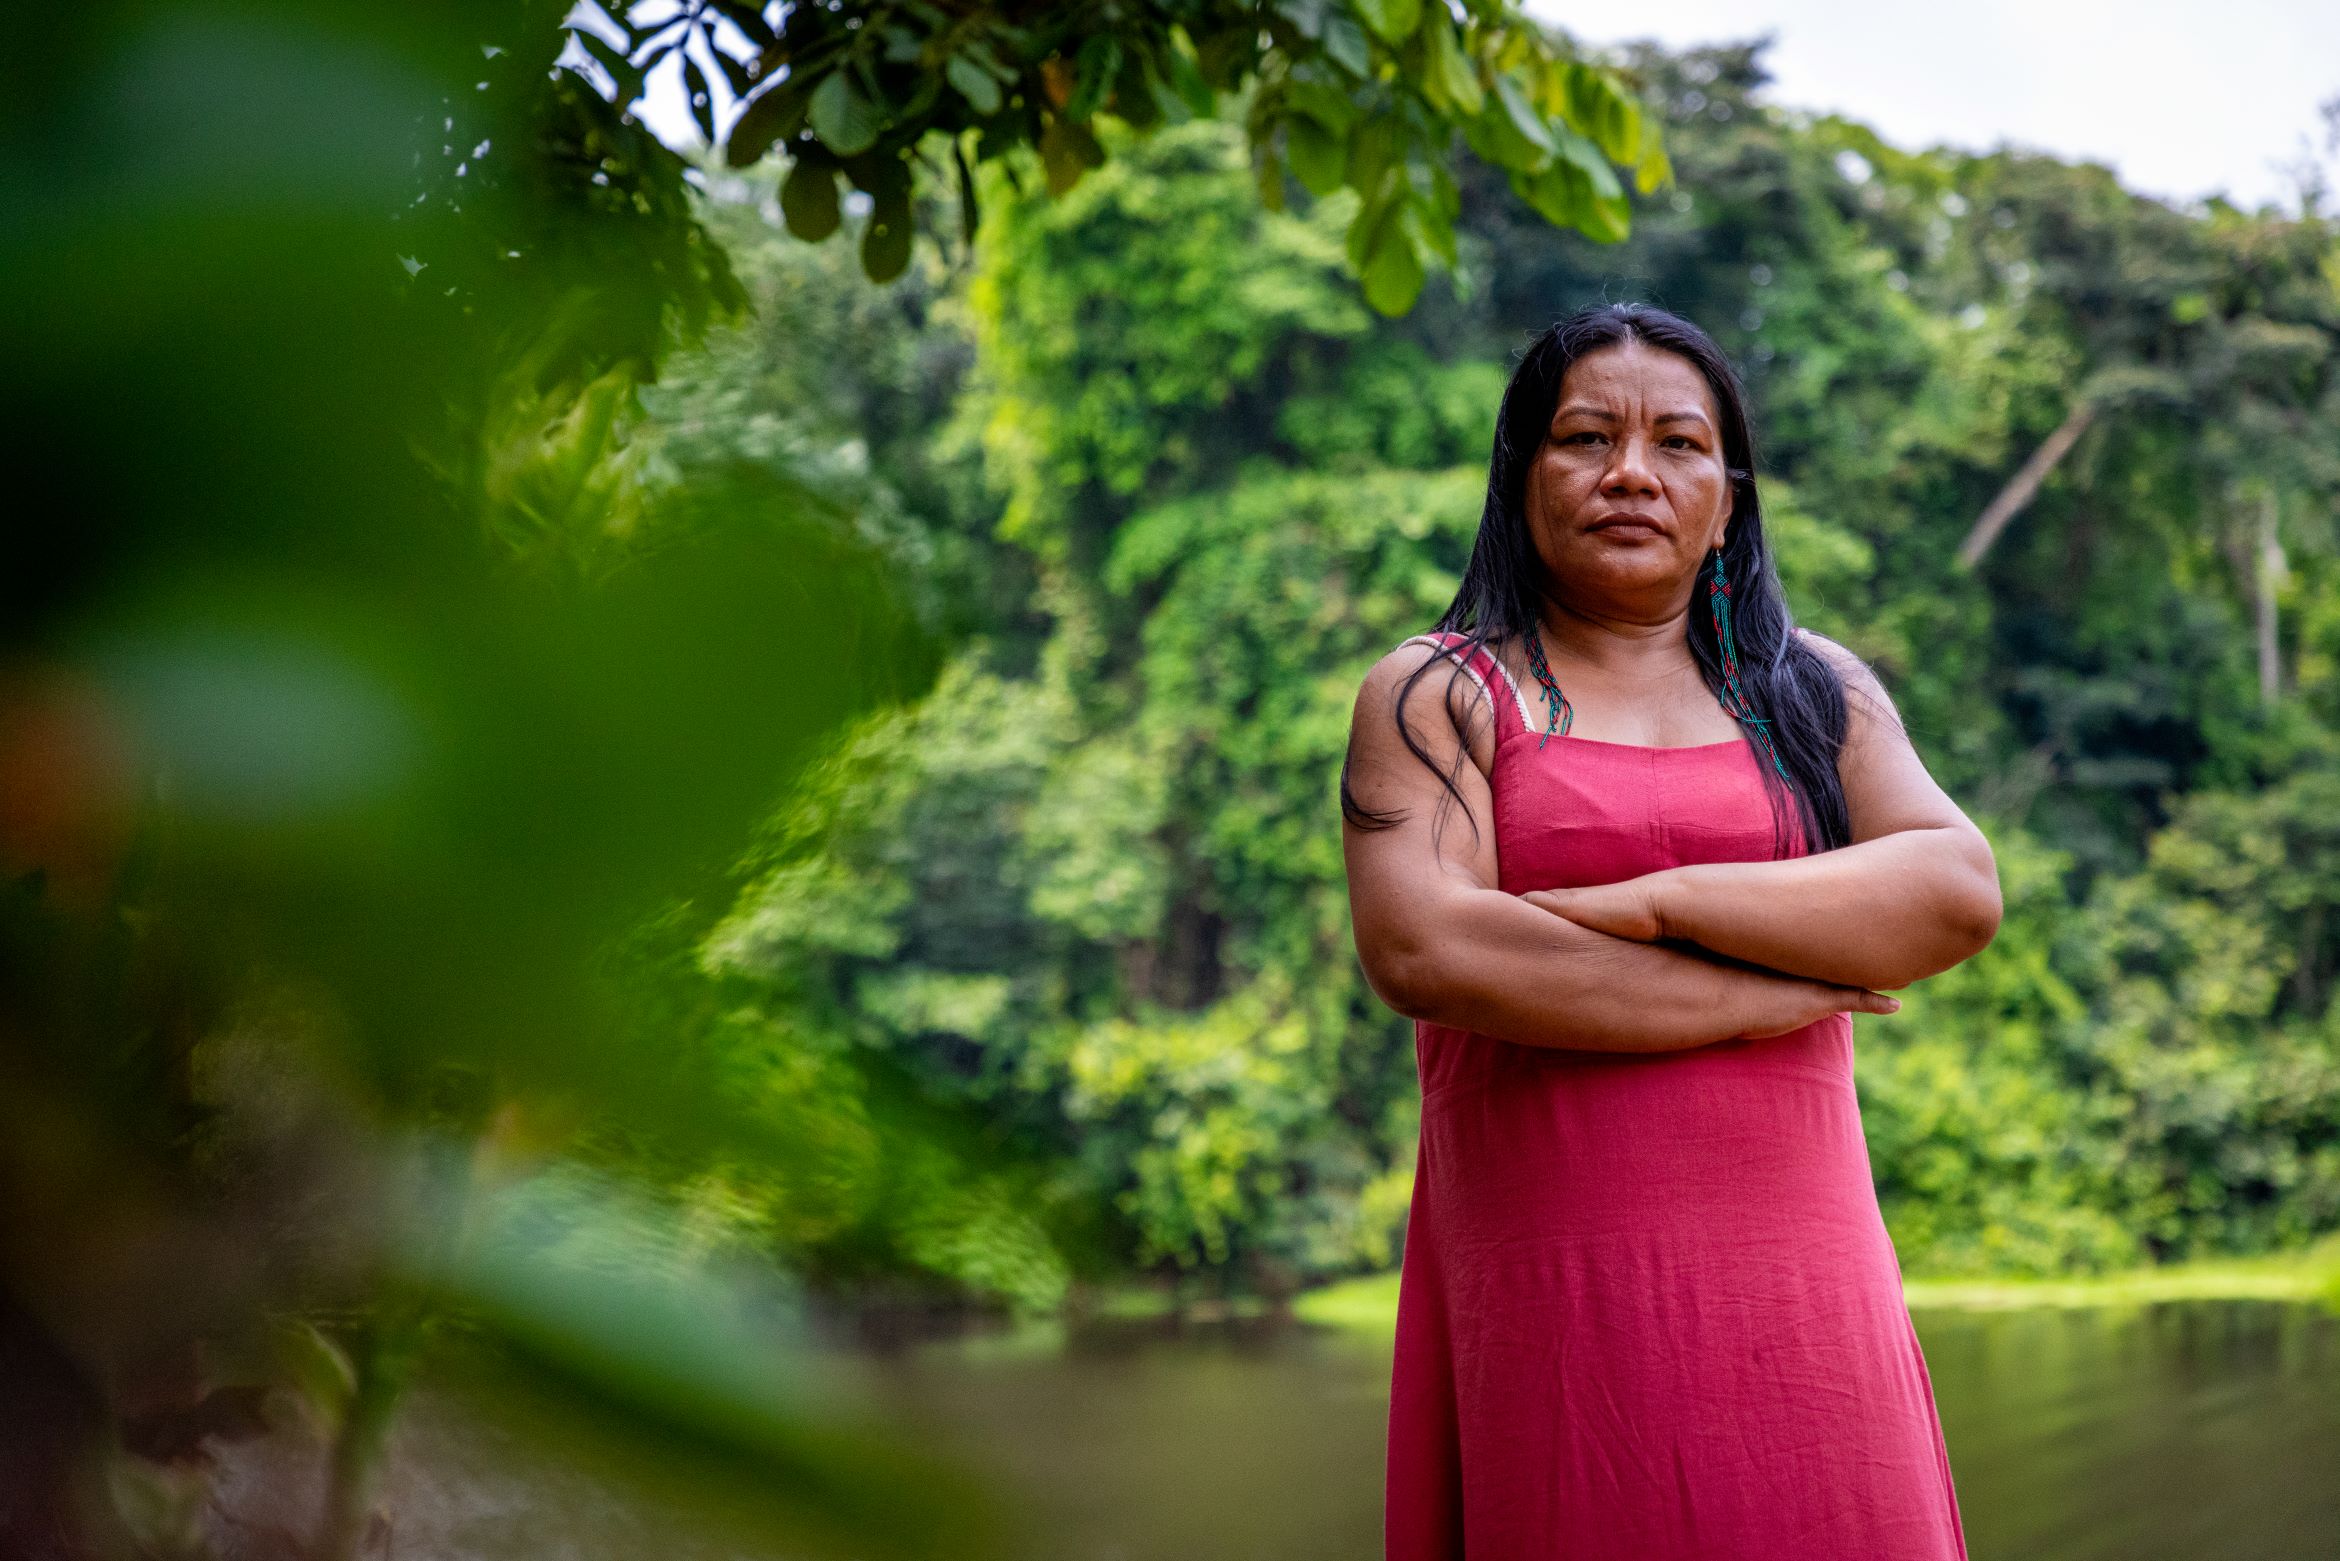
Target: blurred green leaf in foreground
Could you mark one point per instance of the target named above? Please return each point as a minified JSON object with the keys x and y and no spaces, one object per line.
{"x":361,"y":694}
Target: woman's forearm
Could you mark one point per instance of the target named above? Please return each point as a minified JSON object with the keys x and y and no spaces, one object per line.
{"x":1879,"y":914}
{"x":1507,"y":969}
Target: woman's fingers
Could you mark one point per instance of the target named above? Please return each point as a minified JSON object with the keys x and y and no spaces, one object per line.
{"x":1868,"y":1002}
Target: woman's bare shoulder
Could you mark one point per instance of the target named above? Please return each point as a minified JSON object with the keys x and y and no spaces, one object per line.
{"x":1864,"y":690}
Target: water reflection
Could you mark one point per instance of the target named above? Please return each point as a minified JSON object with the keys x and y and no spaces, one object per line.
{"x":2195,"y":1430}
{"x":2208,"y":1431}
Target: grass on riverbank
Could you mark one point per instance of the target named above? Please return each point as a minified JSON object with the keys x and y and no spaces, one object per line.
{"x":1369,"y":1304}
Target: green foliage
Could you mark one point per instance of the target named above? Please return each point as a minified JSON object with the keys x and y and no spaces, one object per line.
{"x":1361,"y":95}
{"x":1102,"y":890}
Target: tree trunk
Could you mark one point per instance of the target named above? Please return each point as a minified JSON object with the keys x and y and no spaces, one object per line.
{"x":2270,"y":579}
{"x":2023,"y":485}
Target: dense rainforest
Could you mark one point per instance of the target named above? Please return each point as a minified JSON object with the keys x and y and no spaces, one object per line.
{"x":597,"y":744}
{"x":2060,"y":460}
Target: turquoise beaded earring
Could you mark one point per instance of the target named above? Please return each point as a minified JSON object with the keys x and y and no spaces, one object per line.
{"x":1718,"y":598}
{"x":1563,"y":713}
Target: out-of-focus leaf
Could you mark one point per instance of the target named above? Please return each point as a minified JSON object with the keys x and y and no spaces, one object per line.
{"x":1093,"y":70}
{"x":1319,"y":161}
{"x":707,"y":1373}
{"x":808,"y":200}
{"x":626,"y":75}
{"x":978,"y":86}
{"x":700,"y":99}
{"x":885,"y":242}
{"x":843,"y":116}
{"x":1323,"y":102}
{"x":1346,"y":45}
{"x":1394,"y":20}
{"x":1451,"y":79}
{"x":1520,"y":113}
{"x":1393,"y":269}
{"x":1067,"y":151}
{"x":775,"y":115}
{"x":749,"y":19}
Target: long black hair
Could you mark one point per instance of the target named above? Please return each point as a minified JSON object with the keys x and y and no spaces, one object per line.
{"x":1785,"y":679}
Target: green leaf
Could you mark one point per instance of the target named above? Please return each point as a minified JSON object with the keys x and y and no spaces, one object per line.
{"x":1393,"y":269}
{"x":1346,"y":45}
{"x":1364,"y":228}
{"x":1394,"y":20}
{"x":1134,"y":98}
{"x":773,"y":117}
{"x":735,"y":75}
{"x":1306,"y":16}
{"x":1268,"y":172}
{"x":1620,"y":132}
{"x":1521,"y":114}
{"x":1652,"y":168}
{"x":808,"y":200}
{"x":1564,"y":195}
{"x":1067,"y":151}
{"x":622,"y":72}
{"x":1186,"y":79}
{"x":1452,"y":80}
{"x":1577,"y":149}
{"x":1608,"y":219}
{"x":1373,"y":151}
{"x":1323,"y":102}
{"x":700,"y":99}
{"x":885,"y":240}
{"x":978,"y":86}
{"x":1559,"y":192}
{"x":843,"y":116}
{"x":1319,"y":160}
{"x":749,"y":19}
{"x":1094,"y":68}
{"x":1426,"y":232}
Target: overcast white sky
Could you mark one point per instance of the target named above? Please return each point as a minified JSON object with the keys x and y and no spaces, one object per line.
{"x":2182,"y":99}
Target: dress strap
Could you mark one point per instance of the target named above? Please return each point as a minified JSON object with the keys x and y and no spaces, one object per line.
{"x":1494,"y":680}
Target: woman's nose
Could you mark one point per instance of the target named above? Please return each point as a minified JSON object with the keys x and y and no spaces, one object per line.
{"x":1629,"y":469}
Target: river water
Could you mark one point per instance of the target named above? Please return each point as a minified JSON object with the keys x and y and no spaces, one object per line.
{"x":2183,"y":1431}
{"x":2192,"y":1431}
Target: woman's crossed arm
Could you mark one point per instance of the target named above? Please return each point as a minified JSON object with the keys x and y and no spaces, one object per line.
{"x":1915,"y":893}
{"x":1440,"y":941}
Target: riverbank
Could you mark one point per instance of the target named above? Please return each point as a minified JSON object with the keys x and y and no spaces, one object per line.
{"x":1369,"y":1304}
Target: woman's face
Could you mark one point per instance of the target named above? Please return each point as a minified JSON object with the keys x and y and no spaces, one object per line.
{"x":1629,"y":489}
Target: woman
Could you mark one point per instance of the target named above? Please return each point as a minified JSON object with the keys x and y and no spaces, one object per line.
{"x":1648,"y":1307}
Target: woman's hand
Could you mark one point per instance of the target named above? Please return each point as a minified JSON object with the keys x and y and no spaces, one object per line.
{"x":1798,"y":1002}
{"x":1627,"y":909}
{"x":1635,"y":909}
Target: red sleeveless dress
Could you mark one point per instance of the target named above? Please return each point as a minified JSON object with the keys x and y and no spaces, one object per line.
{"x":1648,"y":1308}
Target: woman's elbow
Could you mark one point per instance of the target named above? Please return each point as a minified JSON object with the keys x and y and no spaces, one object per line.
{"x":1404,"y":976}
{"x":1980,"y":904}
{"x":1975,"y":902}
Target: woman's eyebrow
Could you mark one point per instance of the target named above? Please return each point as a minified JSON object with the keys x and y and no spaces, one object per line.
{"x":1604,"y":415}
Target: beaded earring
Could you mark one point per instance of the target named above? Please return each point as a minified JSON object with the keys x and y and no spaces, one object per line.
{"x":1718,"y":598}
{"x":1563,"y":713}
